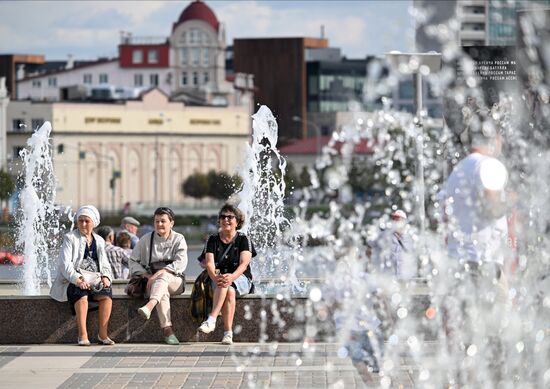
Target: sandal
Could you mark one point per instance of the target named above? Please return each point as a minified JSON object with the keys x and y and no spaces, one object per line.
{"x":105,"y":342}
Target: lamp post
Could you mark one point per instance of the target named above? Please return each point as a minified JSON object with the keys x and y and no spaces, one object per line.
{"x":317,"y":132}
{"x":417,"y":65}
{"x":115,"y":174}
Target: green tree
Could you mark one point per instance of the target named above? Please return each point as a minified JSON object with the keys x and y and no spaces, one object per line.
{"x":7,"y":185}
{"x":196,"y":186}
{"x":304,"y":178}
{"x":292,"y":181}
{"x":220,"y":185}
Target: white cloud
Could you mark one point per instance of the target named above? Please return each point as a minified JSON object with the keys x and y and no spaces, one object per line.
{"x":91,"y":28}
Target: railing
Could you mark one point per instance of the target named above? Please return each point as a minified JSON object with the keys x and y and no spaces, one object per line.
{"x":142,"y":40}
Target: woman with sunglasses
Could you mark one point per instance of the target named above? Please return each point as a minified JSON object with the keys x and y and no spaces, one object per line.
{"x":161,"y":257}
{"x":82,"y":256}
{"x":227,"y":257}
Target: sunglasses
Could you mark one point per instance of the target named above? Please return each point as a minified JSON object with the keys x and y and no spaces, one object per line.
{"x":228,"y":217}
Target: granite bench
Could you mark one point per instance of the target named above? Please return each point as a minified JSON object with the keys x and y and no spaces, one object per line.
{"x":40,"y":319}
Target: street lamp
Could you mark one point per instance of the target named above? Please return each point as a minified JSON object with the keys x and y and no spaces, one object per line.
{"x":315,"y":127}
{"x":417,"y":65}
{"x":115,"y":174}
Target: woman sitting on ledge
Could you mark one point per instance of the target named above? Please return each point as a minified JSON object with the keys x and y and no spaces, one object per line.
{"x":81,"y":259}
{"x":161,"y":256}
{"x":227,"y":257}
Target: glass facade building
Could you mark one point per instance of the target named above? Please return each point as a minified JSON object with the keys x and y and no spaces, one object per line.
{"x":501,"y":20}
{"x":332,"y":85}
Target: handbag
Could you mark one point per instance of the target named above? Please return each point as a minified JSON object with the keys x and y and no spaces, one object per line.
{"x":138,"y":283}
{"x":136,"y":286}
{"x":93,"y":278}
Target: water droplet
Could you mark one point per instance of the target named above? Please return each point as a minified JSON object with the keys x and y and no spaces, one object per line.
{"x":385,"y":382}
{"x":315,"y":295}
{"x":540,"y":336}
{"x":402,"y":313}
{"x":342,"y":352}
{"x":396,"y":298}
{"x":520,"y":347}
{"x":472,"y":350}
{"x":424,"y":375}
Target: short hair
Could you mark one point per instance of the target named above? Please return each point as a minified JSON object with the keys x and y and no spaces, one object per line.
{"x":123,"y":238}
{"x":104,"y":231}
{"x":239,"y":215}
{"x":165,"y":211}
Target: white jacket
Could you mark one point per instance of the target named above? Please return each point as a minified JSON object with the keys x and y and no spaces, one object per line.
{"x":70,"y":258}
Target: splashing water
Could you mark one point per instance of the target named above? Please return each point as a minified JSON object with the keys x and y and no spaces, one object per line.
{"x":263,"y":191}
{"x":414,"y":337}
{"x":38,"y":222}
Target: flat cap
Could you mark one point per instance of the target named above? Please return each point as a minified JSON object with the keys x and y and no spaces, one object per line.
{"x":130,"y":220}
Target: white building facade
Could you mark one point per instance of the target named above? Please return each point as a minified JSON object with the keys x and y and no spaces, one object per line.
{"x":188,"y":65}
{"x":148,"y":146}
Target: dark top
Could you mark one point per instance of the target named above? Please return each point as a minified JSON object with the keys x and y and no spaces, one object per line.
{"x":91,"y":260}
{"x":231,"y":261}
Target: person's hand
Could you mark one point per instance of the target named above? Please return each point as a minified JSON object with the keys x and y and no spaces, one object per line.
{"x":82,"y":284}
{"x":226,"y":280}
{"x":106,"y":282}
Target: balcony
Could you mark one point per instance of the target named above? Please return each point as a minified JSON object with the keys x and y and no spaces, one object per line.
{"x":470,"y":17}
{"x":472,"y":35}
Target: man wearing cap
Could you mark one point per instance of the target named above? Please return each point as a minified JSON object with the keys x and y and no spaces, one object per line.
{"x":130,"y":225}
{"x":389,"y":247}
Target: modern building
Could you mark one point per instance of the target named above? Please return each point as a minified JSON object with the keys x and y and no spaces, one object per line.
{"x":482,"y":22}
{"x":279,"y":66}
{"x":137,"y":151}
{"x":4,"y":100}
{"x":188,"y":65}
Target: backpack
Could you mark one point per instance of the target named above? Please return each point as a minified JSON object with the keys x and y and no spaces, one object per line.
{"x":202,"y":298}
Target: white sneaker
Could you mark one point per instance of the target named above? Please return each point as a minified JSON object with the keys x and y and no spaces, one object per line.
{"x":227,"y":339}
{"x":206,"y":327}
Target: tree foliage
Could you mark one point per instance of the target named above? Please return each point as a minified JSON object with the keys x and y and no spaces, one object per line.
{"x":217,"y":185}
{"x":221,"y":185}
{"x":196,"y":186}
{"x":7,"y":185}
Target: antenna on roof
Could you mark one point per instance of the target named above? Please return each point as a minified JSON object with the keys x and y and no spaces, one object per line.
{"x":322,"y":31}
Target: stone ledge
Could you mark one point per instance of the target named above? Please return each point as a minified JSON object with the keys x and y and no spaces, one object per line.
{"x":40,"y":319}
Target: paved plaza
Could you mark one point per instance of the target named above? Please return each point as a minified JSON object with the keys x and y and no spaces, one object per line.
{"x":191,"y":365}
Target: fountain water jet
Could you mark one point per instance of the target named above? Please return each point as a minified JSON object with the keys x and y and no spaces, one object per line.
{"x":38,"y":221}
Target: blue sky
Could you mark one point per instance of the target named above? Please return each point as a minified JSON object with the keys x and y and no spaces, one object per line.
{"x":88,"y":29}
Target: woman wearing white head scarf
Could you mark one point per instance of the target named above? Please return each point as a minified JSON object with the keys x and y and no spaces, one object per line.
{"x":82,"y":255}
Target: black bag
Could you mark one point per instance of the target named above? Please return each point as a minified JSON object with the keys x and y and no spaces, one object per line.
{"x":202,"y":298}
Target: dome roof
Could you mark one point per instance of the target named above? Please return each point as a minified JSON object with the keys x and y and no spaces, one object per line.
{"x":197,"y":10}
